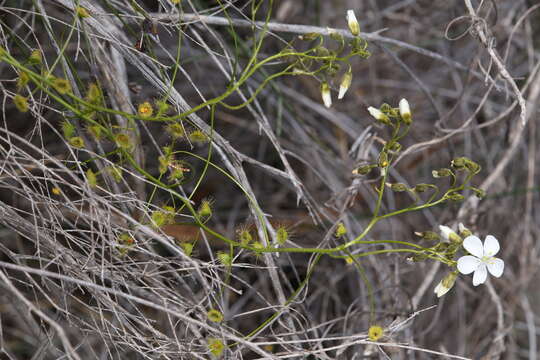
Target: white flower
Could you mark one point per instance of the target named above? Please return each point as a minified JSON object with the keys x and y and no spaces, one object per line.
{"x":354,"y":27}
{"x":325,"y":93}
{"x":405,"y":110}
{"x":482,"y":259}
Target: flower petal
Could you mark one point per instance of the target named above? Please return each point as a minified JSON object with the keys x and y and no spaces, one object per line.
{"x":480,"y":275}
{"x":495,"y":267}
{"x":491,"y":246}
{"x":467,"y":264}
{"x":474,"y":245}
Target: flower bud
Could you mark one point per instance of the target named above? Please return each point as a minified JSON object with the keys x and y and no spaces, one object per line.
{"x":472,"y":166}
{"x":309,"y":36}
{"x":395,"y":146}
{"x":479,"y":193}
{"x":397,"y":187}
{"x":441,"y":173}
{"x":446,"y":284}
{"x":459,"y":163}
{"x":463,"y":231}
{"x":322,"y":51}
{"x":405,"y":111}
{"x":455,"y":197}
{"x":379,"y":115}
{"x":345,"y":83}
{"x":427,"y":235}
{"x":449,"y":235}
{"x":354,"y":27}
{"x":363,"y":170}
{"x":336,"y":36}
{"x":419,"y":188}
{"x":325,"y":93}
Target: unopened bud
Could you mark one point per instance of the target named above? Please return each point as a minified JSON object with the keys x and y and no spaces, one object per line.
{"x":309,"y":36}
{"x":459,"y":163}
{"x":354,"y":27}
{"x":420,"y":188}
{"x":446,"y":284}
{"x":396,"y":147}
{"x":472,"y":166}
{"x":455,"y":197}
{"x":397,"y":187}
{"x":463,"y":231}
{"x":427,"y":235}
{"x":479,"y":193}
{"x":325,"y":93}
{"x":449,"y":235}
{"x":363,"y":170}
{"x":379,"y":115}
{"x":322,"y":51}
{"x":405,"y":111}
{"x":345,"y":83}
{"x":336,"y":36}
{"x":441,"y":173}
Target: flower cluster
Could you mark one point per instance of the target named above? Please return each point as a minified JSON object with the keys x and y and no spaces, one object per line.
{"x":346,"y":79}
{"x":480,"y":259}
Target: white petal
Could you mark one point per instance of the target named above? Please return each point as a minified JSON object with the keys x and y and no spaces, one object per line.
{"x":491,"y":246}
{"x":474,"y":246}
{"x":495,"y":267}
{"x":480,"y":275}
{"x":467,"y":264}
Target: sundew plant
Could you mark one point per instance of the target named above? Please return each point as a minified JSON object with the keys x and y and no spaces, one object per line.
{"x":265,"y":179}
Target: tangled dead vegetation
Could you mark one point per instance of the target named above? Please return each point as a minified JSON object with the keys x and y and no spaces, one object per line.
{"x":179,"y":180}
